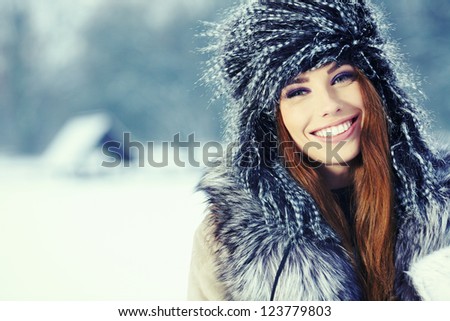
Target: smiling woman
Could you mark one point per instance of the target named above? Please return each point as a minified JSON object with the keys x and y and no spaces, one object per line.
{"x":334,"y":192}
{"x":324,"y":106}
{"x":338,"y":106}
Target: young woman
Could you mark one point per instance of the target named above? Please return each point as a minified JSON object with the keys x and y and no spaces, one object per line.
{"x":333,"y":192}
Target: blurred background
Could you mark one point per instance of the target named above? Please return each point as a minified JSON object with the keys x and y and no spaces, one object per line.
{"x":76,"y":74}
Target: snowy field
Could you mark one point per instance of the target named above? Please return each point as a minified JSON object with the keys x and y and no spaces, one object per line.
{"x":120,"y":236}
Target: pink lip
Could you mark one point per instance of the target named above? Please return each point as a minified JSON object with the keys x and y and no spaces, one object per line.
{"x":335,"y":123}
{"x":345,"y":135}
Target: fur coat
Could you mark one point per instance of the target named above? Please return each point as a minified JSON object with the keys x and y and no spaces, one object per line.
{"x":238,"y":250}
{"x":258,"y":211}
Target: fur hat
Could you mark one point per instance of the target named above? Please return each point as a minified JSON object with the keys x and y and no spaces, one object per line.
{"x":260,"y":46}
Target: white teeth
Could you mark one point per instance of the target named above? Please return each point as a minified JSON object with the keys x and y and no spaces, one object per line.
{"x":334,"y":130}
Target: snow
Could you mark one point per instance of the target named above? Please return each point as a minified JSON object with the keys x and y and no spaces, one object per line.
{"x":123,"y":236}
{"x":78,"y":137}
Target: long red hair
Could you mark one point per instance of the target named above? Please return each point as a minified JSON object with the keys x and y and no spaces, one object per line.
{"x":374,"y":226}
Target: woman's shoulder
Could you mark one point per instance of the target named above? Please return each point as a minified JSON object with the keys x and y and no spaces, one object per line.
{"x":204,"y":234}
{"x":203,"y":283}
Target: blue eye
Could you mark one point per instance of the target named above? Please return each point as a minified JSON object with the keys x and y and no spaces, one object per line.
{"x":297,"y":92}
{"x":344,"y":77}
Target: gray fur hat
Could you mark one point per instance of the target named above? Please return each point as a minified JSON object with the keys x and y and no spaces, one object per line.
{"x":260,"y":46}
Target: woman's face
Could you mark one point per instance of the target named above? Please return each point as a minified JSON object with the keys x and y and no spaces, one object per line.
{"x":323,"y":112}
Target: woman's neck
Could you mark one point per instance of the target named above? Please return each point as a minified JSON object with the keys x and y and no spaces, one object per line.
{"x":336,"y":176}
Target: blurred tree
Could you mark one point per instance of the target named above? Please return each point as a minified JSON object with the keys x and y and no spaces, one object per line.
{"x":30,"y":112}
{"x":145,"y":75}
{"x":15,"y":97}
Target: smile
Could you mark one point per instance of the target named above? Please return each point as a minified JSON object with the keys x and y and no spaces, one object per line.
{"x":335,"y":130}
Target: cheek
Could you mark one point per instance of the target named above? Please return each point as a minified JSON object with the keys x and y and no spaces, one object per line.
{"x":294,"y":122}
{"x":355,"y":98}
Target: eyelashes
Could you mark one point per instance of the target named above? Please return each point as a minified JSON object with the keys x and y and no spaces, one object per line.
{"x":344,"y":77}
{"x":297,"y":92}
{"x":341,"y":79}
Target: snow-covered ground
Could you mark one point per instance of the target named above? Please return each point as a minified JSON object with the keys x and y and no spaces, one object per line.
{"x":124,"y":236}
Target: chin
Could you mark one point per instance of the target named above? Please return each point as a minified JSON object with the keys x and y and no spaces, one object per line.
{"x":335,"y":156}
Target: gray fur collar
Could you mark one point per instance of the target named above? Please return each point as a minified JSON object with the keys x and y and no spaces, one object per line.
{"x":254,"y":234}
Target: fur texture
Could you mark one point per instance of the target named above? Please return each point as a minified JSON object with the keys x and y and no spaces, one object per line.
{"x":258,"y":209}
{"x":431,"y":276}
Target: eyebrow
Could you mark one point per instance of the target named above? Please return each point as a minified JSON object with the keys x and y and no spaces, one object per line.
{"x":301,"y":80}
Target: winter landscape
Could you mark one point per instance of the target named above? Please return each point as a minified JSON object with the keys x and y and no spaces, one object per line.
{"x":77,"y":74}
{"x":119,"y":236}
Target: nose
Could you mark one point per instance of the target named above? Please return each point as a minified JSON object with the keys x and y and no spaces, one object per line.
{"x":328,"y":104}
